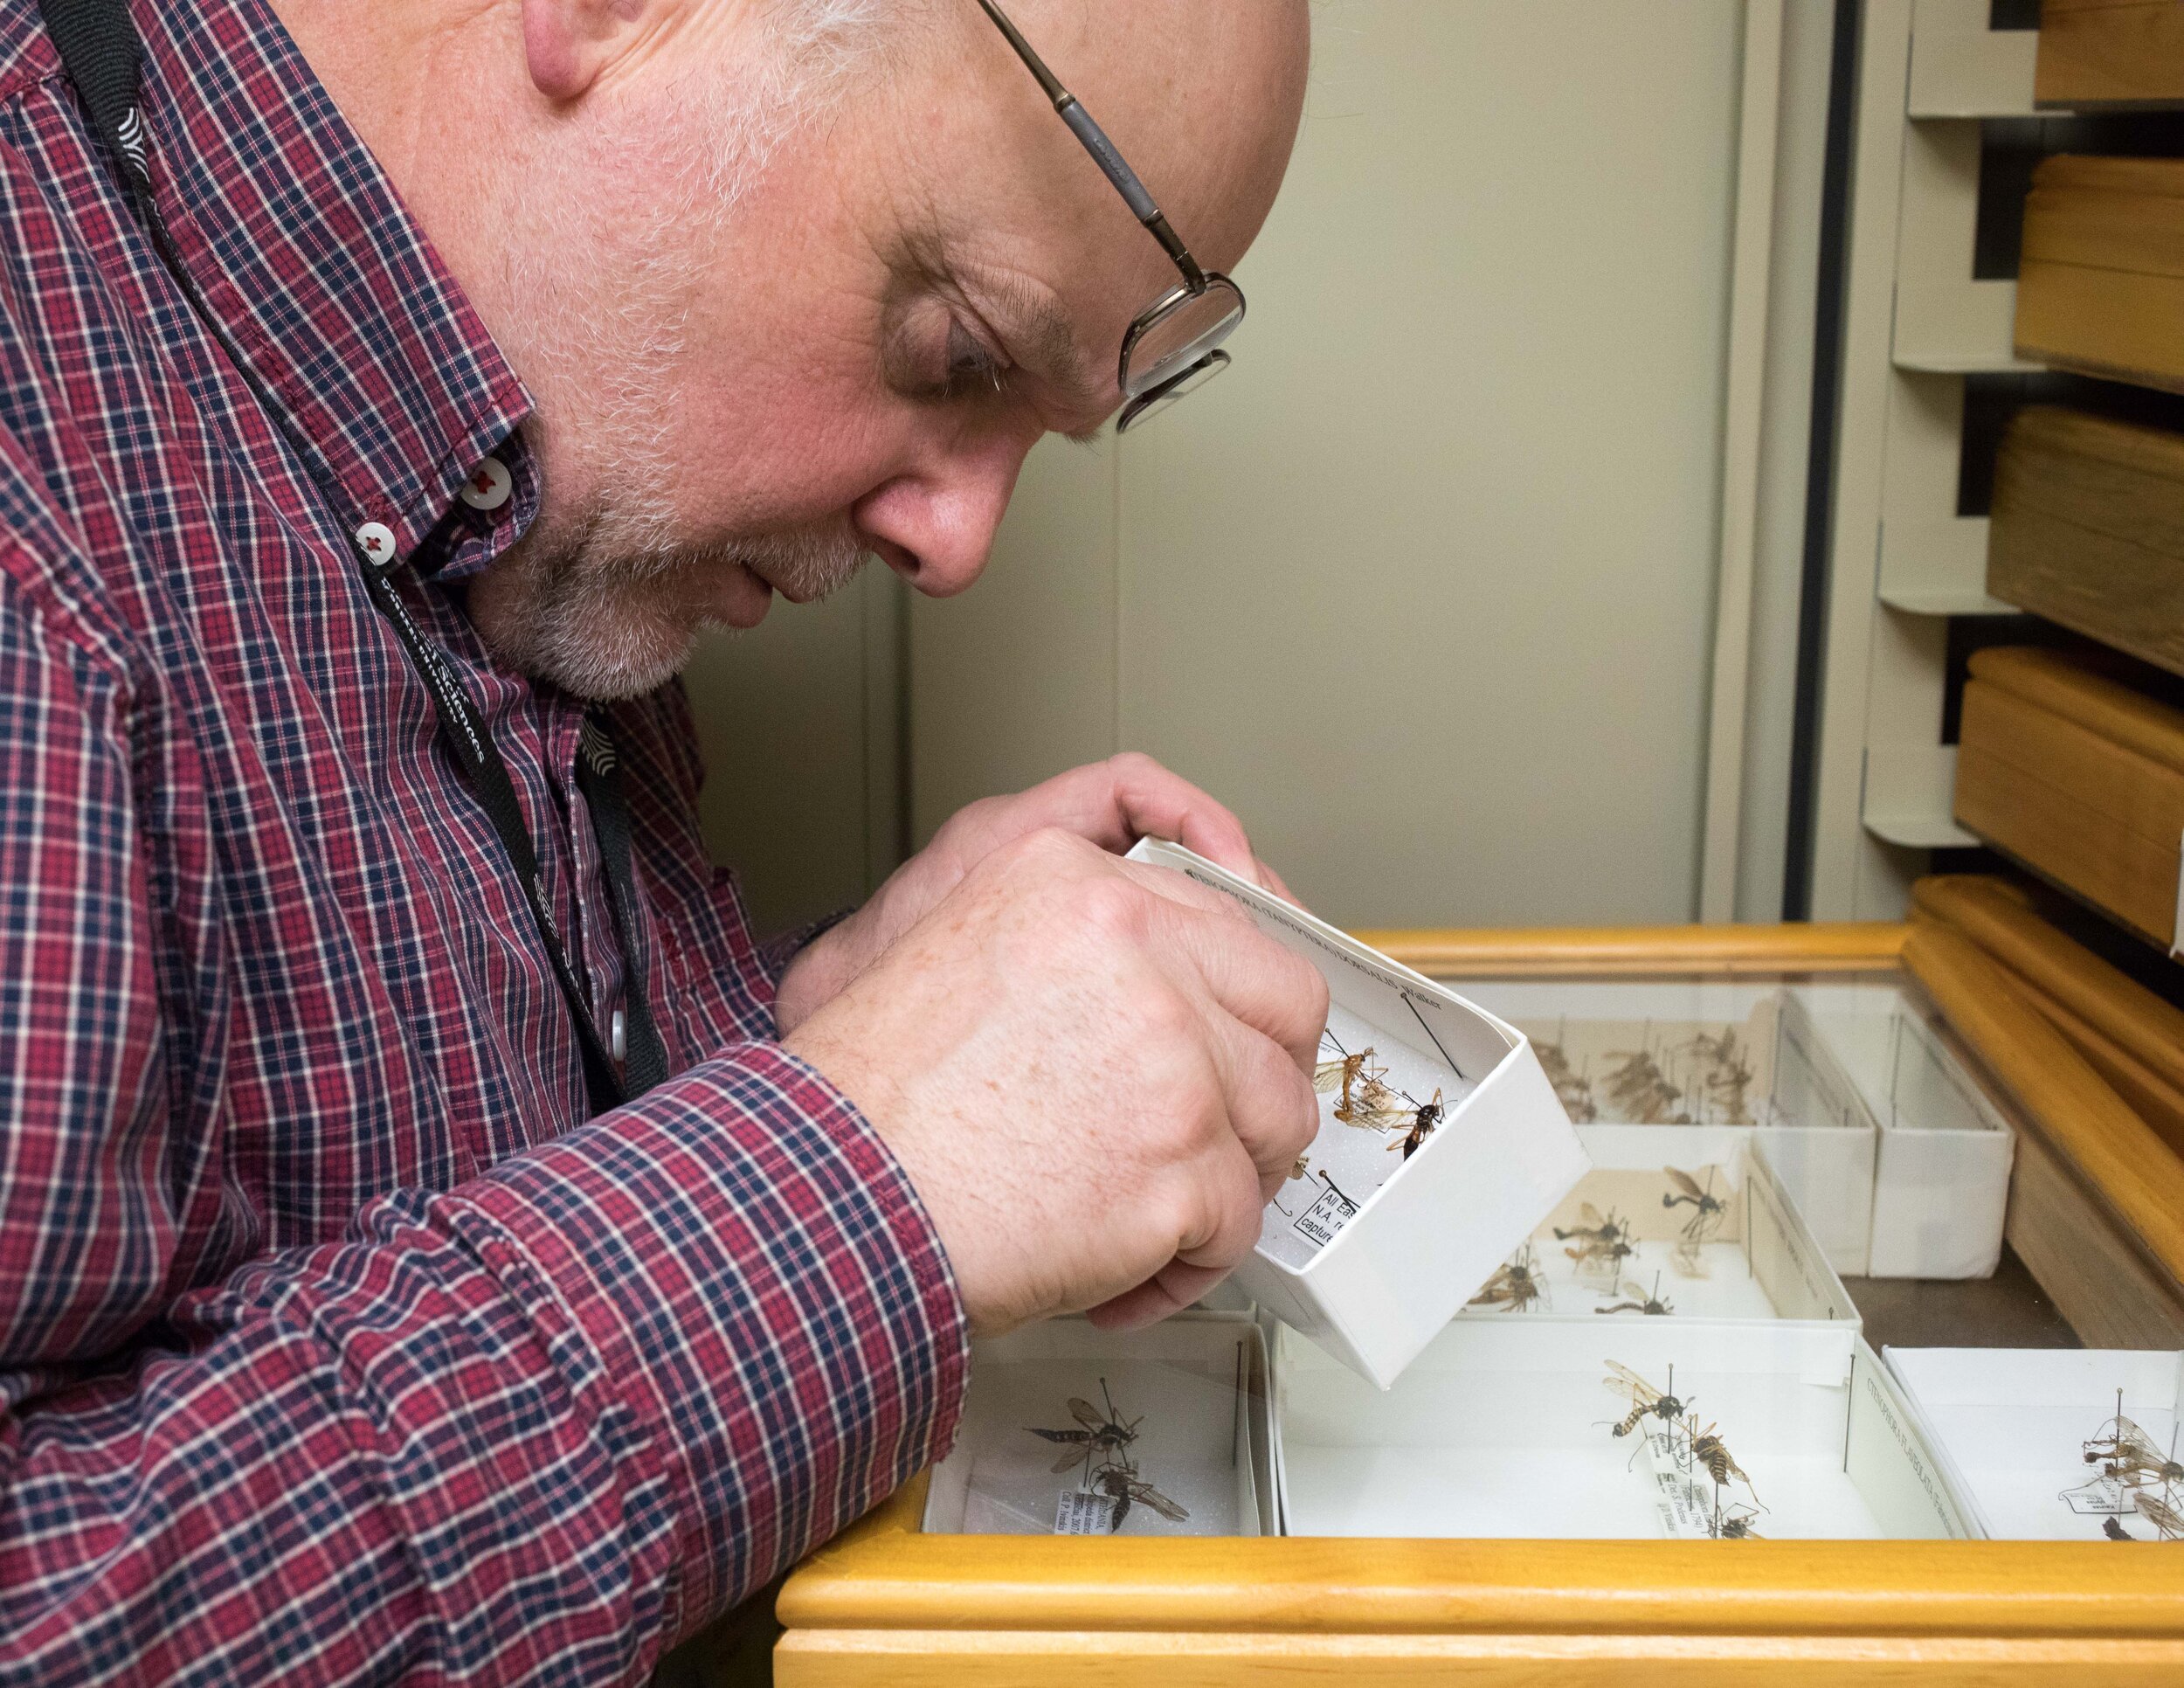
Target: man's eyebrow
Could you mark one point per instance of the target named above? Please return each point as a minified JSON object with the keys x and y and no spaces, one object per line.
{"x":1037,"y":330}
{"x":1049,"y":347}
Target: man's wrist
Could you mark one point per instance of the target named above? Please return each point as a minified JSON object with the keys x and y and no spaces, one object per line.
{"x":816,"y":970}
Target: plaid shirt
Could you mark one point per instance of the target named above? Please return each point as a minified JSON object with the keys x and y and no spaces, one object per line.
{"x":333,"y":1343}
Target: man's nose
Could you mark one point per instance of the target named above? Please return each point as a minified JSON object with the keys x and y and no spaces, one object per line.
{"x":934,"y":525}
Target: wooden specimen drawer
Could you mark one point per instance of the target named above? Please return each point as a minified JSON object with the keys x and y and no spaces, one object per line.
{"x":2078,"y":777}
{"x":2100,"y":288}
{"x":890,"y":1603}
{"x":2088,"y":530}
{"x":2116,"y":54}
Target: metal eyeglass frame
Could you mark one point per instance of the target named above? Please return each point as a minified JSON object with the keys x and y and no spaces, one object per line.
{"x":1147,"y":396}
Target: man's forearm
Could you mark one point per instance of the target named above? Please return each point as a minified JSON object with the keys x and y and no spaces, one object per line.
{"x":537,"y":1426}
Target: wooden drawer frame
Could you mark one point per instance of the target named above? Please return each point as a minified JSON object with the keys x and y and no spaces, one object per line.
{"x":885,"y":1604}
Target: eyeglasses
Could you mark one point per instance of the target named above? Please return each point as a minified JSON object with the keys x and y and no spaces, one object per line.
{"x":1174,"y":347}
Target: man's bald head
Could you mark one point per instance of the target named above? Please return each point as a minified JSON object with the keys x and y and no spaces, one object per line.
{"x":795,"y":280}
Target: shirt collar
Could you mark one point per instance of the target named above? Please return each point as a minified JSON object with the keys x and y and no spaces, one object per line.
{"x":304,"y":250}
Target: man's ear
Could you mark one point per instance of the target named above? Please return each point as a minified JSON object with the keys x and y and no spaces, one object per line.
{"x":567,"y":43}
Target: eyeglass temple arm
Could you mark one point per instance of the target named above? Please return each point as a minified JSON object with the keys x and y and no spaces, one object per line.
{"x":1072,"y":112}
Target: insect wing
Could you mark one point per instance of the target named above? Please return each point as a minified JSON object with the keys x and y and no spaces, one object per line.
{"x":1075,"y":1456}
{"x":2134,"y":1446}
{"x":1685,"y":1182}
{"x":1087,"y":1415}
{"x":1642,"y":1393}
{"x":2162,"y":1516}
{"x":1591,"y":1215}
{"x":1172,"y":1511}
{"x":1327,"y":1076}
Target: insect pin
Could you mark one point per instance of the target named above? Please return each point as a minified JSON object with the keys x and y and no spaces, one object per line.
{"x":1646,"y":1401}
{"x":1645,"y":1303}
{"x":1515,"y":1286}
{"x":1118,"y":1480}
{"x":1102,"y":1436}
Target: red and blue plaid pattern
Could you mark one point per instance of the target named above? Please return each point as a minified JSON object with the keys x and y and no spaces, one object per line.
{"x":334,"y":1344}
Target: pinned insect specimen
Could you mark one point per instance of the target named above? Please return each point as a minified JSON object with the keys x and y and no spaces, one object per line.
{"x":1098,"y":1435}
{"x":2114,"y":1530}
{"x":2127,"y":1454}
{"x":1646,"y":1401}
{"x":1367,"y":1100}
{"x":1423,"y":1123}
{"x":1644,"y":1303}
{"x":1515,"y":1286}
{"x":1603,"y":1241}
{"x":1118,"y":1480}
{"x":1711,"y":1451}
{"x":1725,"y":1078}
{"x":1735,"y":1524}
{"x":1572,"y":1089}
{"x":2131,"y":1465}
{"x":1707,"y":1210}
{"x":1639,"y":1092}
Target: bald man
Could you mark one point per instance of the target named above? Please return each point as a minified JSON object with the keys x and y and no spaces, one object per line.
{"x":437,"y":1241}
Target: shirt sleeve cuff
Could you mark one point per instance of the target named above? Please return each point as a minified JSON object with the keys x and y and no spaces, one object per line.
{"x":775,"y":1337}
{"x":776,"y":953}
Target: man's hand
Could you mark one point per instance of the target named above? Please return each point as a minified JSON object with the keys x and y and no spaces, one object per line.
{"x":1095,"y":1072}
{"x":1112,"y":804}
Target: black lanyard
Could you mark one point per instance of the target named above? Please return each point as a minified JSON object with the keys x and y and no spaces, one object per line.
{"x":98,"y":47}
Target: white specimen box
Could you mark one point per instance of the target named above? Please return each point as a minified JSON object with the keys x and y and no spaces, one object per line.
{"x":1711,"y":1051}
{"x":1757,"y":1260}
{"x":1941,"y":1172}
{"x":1192,"y":1392}
{"x":1503,"y":1427}
{"x":1371,"y":1277}
{"x":2009,"y":1426}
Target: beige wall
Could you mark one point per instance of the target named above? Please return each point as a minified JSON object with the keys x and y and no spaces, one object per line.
{"x":1424,"y":586}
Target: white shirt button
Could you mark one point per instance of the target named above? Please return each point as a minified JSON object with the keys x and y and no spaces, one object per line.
{"x":618,"y":1035}
{"x":489,"y":484}
{"x":376,"y":540}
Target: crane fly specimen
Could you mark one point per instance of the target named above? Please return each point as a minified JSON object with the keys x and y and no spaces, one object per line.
{"x":1603,"y":1240}
{"x":1515,"y":1286}
{"x":1646,"y":1401}
{"x":1725,"y":1078}
{"x":1104,"y":1435}
{"x":1361,"y":1079}
{"x":1118,"y":1480}
{"x":2128,"y":1454}
{"x":1572,"y":1089}
{"x":1639,"y":1093}
{"x":1644,"y":1303}
{"x":1707,"y":1210}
